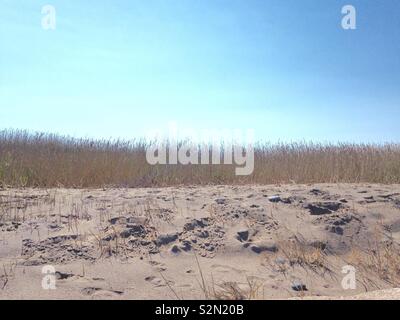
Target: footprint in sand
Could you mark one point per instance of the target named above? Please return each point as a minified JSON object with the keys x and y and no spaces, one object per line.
{"x":226,"y":269}
{"x":158,"y":266}
{"x":98,"y":292}
{"x":158,"y":282}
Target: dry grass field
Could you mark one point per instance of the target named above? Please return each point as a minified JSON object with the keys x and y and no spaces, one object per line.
{"x":45,"y":160}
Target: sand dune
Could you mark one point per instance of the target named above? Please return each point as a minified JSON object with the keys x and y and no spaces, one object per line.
{"x":214,"y":242}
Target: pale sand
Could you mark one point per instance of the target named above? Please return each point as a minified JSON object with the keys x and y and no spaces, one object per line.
{"x":143,"y":243}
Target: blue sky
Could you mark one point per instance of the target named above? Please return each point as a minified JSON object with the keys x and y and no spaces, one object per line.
{"x":284,"y":68}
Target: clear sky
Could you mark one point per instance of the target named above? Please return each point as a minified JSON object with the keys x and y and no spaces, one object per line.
{"x":284,"y":68}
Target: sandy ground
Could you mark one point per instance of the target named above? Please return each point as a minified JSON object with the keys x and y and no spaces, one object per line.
{"x":259,"y":242}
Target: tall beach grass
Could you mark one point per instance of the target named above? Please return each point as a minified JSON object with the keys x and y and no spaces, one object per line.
{"x":47,"y":160}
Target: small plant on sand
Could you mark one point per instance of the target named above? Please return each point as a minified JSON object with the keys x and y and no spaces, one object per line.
{"x":380,"y":259}
{"x":230,"y":290}
{"x":298,"y":252}
{"x":8,"y":271}
{"x":227,"y":290}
